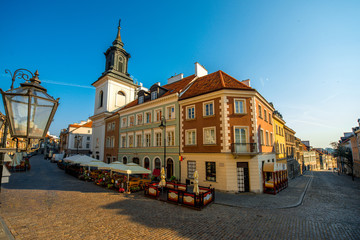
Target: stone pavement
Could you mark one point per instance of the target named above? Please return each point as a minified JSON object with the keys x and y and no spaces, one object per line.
{"x":291,"y":196}
{"x":46,"y":203}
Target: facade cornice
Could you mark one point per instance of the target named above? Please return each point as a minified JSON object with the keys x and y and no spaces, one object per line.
{"x":100,"y":116}
{"x":258,"y":95}
{"x":150,"y":104}
{"x":289,"y":129}
{"x":277,"y":118}
{"x":218,"y":93}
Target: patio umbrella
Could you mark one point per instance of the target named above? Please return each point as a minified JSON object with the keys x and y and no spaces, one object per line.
{"x":196,"y":183}
{"x":162,"y":182}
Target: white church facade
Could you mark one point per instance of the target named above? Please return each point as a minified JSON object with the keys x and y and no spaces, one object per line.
{"x":114,"y":89}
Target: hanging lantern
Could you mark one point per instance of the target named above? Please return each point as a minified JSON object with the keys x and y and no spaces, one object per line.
{"x":29,"y":109}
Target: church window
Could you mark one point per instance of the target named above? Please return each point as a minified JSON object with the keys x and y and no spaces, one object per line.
{"x":120,"y":64}
{"x":101,"y":99}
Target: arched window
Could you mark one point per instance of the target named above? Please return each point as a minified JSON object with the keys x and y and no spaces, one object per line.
{"x":147,"y":163}
{"x":169,"y":168}
{"x":120,"y":99}
{"x":120,"y":64}
{"x":157,"y":163}
{"x":124,"y":160}
{"x":136,"y":160}
{"x":101,"y":98}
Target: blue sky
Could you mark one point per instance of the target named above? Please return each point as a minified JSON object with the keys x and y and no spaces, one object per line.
{"x":304,"y":56}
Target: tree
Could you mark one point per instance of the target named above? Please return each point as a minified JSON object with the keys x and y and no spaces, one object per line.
{"x":345,"y":155}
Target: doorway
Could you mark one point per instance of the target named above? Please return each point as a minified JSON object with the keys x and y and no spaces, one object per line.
{"x":169,"y":168}
{"x":243,"y":176}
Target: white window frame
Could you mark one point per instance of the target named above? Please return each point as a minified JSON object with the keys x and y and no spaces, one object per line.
{"x":271,"y":139}
{"x":123,"y":143}
{"x":136,"y":140}
{"x":147,"y":137}
{"x":243,"y":105}
{"x":170,"y":138}
{"x":132,"y":116}
{"x":124,"y":122}
{"x":131,"y":143}
{"x":262,"y":136}
{"x":187,"y":132}
{"x":137,"y":119}
{"x":156,"y":134}
{"x":113,"y":126}
{"x":267,"y":138}
{"x":108,"y":127}
{"x":260,"y":111}
{"x":145,"y":119}
{"x":212,"y":109}
{"x":141,"y":99}
{"x":187,"y":112}
{"x":156,"y":114}
{"x":265,"y":115}
{"x":204,"y":136}
{"x":172,"y":116}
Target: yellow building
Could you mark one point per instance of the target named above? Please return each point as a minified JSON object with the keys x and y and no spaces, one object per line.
{"x":280,"y":142}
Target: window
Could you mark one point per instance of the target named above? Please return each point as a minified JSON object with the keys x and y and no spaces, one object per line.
{"x":108,"y":142}
{"x":131,"y":141}
{"x":88,"y":138}
{"x":210,"y":171}
{"x":158,"y":115}
{"x":271,"y":139}
{"x":170,"y":138}
{"x":157,"y":163}
{"x":87,"y":145}
{"x":158,"y":139}
{"x":141,"y":99}
{"x":146,"y":163}
{"x":190,"y":112}
{"x":170,"y":112}
{"x":267,"y":138}
{"x":239,"y":106}
{"x":112,"y":141}
{"x":139,"y":140}
{"x":108,"y":126}
{"x":260,"y":113}
{"x":262,"y":137}
{"x":124,"y":160}
{"x":101,"y":98}
{"x":120,"y":64}
{"x":153,"y":95}
{"x":139,"y":119}
{"x":147,"y":140}
{"x":265,"y":115}
{"x":277,"y":132}
{"x":191,"y":168}
{"x":190,"y":137}
{"x":123,"y":123}
{"x":131,"y":121}
{"x":123,"y":141}
{"x":209,"y":136}
{"x":270,"y":118}
{"x":148,"y":117}
{"x":113,"y":126}
{"x":208,"y":109}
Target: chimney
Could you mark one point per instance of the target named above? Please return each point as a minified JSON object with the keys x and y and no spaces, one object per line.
{"x":246,"y":82}
{"x":200,"y":71}
{"x":175,"y":78}
{"x":158,"y":83}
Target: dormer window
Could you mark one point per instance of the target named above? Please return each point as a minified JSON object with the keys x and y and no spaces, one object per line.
{"x":141,"y":99}
{"x":153,"y":95}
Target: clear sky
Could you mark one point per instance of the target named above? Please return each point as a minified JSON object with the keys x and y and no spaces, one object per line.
{"x":304,"y":56}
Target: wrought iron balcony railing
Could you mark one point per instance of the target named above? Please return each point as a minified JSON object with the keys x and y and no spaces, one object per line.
{"x":244,"y":148}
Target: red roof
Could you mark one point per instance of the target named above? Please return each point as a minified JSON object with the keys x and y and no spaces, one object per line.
{"x":173,"y":88}
{"x":213,"y":82}
{"x":88,"y":125}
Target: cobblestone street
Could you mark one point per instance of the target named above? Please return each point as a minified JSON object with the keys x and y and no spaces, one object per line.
{"x":46,"y":203}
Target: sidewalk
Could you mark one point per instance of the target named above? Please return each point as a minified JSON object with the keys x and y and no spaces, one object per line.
{"x":4,"y":231}
{"x":292,"y":196}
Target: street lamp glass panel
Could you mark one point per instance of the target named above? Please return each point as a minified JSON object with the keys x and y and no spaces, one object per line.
{"x":18,"y":113}
{"x":39,"y":116}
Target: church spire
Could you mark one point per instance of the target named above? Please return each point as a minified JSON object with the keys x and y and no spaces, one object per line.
{"x":118,"y":37}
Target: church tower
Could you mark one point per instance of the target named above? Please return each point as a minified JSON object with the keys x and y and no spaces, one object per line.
{"x":114,"y":89}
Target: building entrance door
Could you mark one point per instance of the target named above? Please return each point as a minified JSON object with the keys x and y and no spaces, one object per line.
{"x":243,"y":176}
{"x":170,"y":168}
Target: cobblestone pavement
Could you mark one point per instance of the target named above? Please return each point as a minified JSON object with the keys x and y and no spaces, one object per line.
{"x":46,"y":203}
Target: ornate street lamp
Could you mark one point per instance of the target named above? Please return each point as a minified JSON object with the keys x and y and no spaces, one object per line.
{"x":29,"y":109}
{"x":163,"y":127}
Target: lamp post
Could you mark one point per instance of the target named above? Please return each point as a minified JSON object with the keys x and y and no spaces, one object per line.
{"x":29,"y":109}
{"x":163,"y":127}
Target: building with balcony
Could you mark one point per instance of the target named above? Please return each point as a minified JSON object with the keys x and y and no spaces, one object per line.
{"x":226,"y":132}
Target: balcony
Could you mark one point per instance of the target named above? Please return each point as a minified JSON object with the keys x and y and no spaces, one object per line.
{"x":240,"y":149}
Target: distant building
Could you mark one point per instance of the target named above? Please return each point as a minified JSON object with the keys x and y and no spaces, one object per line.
{"x":76,"y":139}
